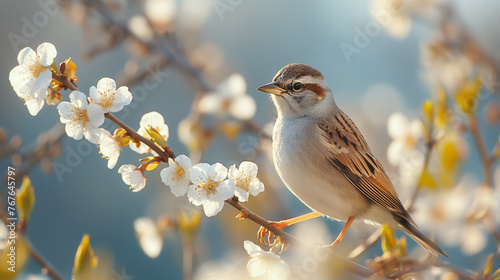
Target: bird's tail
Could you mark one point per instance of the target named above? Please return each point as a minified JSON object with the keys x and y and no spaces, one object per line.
{"x":421,"y":239}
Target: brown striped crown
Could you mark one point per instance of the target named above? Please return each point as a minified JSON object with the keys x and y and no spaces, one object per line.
{"x":295,"y":72}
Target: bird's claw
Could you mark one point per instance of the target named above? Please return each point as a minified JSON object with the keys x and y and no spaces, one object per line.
{"x":261,"y":234}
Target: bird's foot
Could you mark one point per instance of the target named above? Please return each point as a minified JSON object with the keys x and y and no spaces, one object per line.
{"x":261,"y":234}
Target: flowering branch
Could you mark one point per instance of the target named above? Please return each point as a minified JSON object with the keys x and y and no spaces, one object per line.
{"x":165,"y":155}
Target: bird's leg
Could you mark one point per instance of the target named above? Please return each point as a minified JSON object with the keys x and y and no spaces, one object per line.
{"x":283,"y":224}
{"x":342,"y":233}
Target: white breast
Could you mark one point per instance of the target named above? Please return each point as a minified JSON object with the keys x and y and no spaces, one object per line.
{"x":301,"y":159}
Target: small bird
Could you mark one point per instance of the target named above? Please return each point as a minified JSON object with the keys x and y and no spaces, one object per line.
{"x":324,"y":160}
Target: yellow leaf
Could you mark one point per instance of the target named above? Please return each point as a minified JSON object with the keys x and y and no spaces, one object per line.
{"x":156,"y":137}
{"x":467,"y":96}
{"x":25,"y":199}
{"x":189,"y":222}
{"x":10,"y":268}
{"x":389,"y":243}
{"x":147,"y":159}
{"x":70,"y":69}
{"x":442,"y":109}
{"x":402,"y":247}
{"x":450,"y":155}
{"x":152,"y":165}
{"x":427,"y":108}
{"x":427,"y":180}
{"x":85,"y":260}
{"x":489,"y":266}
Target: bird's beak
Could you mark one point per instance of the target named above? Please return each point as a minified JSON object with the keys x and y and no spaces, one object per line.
{"x":272,"y":88}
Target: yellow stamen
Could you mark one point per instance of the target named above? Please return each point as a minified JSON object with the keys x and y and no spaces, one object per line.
{"x":210,"y":187}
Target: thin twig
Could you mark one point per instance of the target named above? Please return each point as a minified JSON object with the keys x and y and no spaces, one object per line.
{"x":46,"y":266}
{"x":248,"y":214}
{"x":485,"y":158}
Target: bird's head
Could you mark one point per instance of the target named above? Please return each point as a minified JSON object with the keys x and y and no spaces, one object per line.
{"x":298,"y":90}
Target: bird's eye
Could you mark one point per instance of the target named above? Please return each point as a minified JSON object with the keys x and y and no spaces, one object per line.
{"x":297,"y":86}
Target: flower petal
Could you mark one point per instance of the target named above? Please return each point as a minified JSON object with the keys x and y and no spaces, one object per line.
{"x":198,"y":173}
{"x":251,"y":247}
{"x":212,"y":207}
{"x":220,"y":171}
{"x":34,"y":105}
{"x":95,"y":114}
{"x":43,"y":80}
{"x":47,"y":52}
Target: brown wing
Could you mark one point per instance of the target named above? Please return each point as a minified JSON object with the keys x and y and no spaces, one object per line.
{"x":352,"y":156}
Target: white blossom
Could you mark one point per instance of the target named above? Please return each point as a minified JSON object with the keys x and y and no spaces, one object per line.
{"x":149,"y":236}
{"x":244,"y":180}
{"x":32,"y":76}
{"x":81,"y":118}
{"x":109,"y":148}
{"x":229,"y":97}
{"x":209,"y":188}
{"x":265,"y":263}
{"x":155,"y":120}
{"x":132,"y":176}
{"x":406,"y":136}
{"x":108,"y":97}
{"x":176,"y":175}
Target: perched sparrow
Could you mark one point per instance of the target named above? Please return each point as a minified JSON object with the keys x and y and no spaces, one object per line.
{"x":324,"y":160}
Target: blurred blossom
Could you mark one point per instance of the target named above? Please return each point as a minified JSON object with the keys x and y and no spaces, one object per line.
{"x":161,"y":13}
{"x":149,"y":236}
{"x":222,"y":270}
{"x":231,"y":97}
{"x":155,"y":120}
{"x":210,"y":187}
{"x":309,"y":260}
{"x":140,"y":27}
{"x":194,"y":13}
{"x":109,"y":148}
{"x":132,"y":176}
{"x":81,"y":118}
{"x":265,"y":263}
{"x":3,"y":235}
{"x":397,"y":22}
{"x":406,"y":136}
{"x":193,"y":135}
{"x":176,"y":175}
{"x":244,"y":180}
{"x":473,"y":238}
{"x":443,"y":66}
{"x":444,"y":213}
{"x":207,"y":57}
{"x":31,"y":78}
{"x":395,"y":15}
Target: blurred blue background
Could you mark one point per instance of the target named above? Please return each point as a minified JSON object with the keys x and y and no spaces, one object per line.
{"x":257,"y":38}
